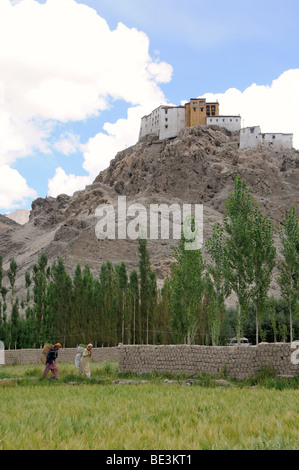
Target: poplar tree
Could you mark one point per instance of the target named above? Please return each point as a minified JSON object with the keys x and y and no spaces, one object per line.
{"x":151,"y":326}
{"x":11,"y":274}
{"x":15,"y":324}
{"x":133,"y":299}
{"x":263,"y":259}
{"x":27,"y":284}
{"x":40,"y":280}
{"x":239,"y":247}
{"x":217,"y":282}
{"x":122,"y":286}
{"x":146,"y":288}
{"x":57,"y":316}
{"x":163,"y":307}
{"x":87,"y":300}
{"x":107,"y":282}
{"x":288,"y":277}
{"x":77,"y":302}
{"x":187,"y":288}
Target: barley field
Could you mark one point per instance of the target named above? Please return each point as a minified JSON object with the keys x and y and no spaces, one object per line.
{"x":112,"y":412}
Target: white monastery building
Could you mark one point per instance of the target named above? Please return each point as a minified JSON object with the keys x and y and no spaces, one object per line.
{"x":167,"y":121}
{"x":252,"y":137}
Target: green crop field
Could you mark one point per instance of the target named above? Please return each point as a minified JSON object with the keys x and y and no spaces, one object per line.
{"x":154,"y":412}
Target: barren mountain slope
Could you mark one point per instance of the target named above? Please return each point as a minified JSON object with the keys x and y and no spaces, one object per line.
{"x":199,"y":166}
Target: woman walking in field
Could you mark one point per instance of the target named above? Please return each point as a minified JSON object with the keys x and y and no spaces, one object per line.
{"x":50,"y":361}
{"x":84,"y":361}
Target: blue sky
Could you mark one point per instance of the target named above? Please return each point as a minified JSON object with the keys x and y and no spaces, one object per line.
{"x":74,"y":82}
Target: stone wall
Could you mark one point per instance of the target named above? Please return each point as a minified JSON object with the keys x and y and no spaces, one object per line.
{"x":235,"y":361}
{"x":33,"y":356}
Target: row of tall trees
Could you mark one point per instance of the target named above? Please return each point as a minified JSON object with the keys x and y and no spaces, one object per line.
{"x":118,"y":306}
{"x":242,"y":258}
{"x":114,"y":307}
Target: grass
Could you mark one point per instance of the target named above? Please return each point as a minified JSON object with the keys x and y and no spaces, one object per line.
{"x":159,"y":414}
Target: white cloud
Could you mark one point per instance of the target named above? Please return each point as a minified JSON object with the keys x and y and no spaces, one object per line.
{"x":103,"y":147}
{"x":14,"y":189}
{"x":64,"y":62}
{"x":66,"y":184}
{"x":20,"y":136}
{"x":69,"y":143}
{"x":61,"y":62}
{"x":273,"y":107}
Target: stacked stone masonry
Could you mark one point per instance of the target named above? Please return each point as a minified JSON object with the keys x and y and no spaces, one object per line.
{"x":235,"y":361}
{"x":33,"y":356}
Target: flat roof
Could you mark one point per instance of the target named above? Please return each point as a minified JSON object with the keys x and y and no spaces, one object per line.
{"x":204,"y":99}
{"x":224,"y":116}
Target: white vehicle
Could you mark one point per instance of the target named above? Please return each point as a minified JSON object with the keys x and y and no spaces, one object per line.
{"x":243,"y":342}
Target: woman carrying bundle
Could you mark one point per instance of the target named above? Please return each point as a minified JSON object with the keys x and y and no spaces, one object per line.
{"x":84,"y":361}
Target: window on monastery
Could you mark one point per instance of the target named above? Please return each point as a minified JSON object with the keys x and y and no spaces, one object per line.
{"x":166,"y":111}
{"x":194,"y":109}
{"x":166,"y":119}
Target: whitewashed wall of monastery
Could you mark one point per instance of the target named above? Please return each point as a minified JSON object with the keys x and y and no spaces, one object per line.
{"x":172,"y":122}
{"x":165,"y":122}
{"x":250,"y":137}
{"x":232,"y":123}
{"x":278,"y":140}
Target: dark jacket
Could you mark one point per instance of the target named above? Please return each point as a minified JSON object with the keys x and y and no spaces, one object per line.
{"x":53,"y":354}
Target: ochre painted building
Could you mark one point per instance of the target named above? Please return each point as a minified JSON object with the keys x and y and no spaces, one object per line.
{"x":197,"y":111}
{"x":167,"y":121}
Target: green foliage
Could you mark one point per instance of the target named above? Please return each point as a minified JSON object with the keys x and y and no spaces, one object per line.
{"x":187,"y":287}
{"x":217,"y":282}
{"x":147,"y":293}
{"x":264,"y":257}
{"x":239,"y":248}
{"x":117,"y":306}
{"x":288,"y":278}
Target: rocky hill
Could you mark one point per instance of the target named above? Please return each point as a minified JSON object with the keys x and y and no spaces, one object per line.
{"x":7,"y":224}
{"x":198,"y":166}
{"x":21,"y":216}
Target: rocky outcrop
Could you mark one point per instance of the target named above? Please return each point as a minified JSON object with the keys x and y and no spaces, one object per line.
{"x":198,"y":166}
{"x":7,"y":224}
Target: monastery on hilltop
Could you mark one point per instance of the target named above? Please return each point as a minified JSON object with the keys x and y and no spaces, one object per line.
{"x":167,"y":121}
